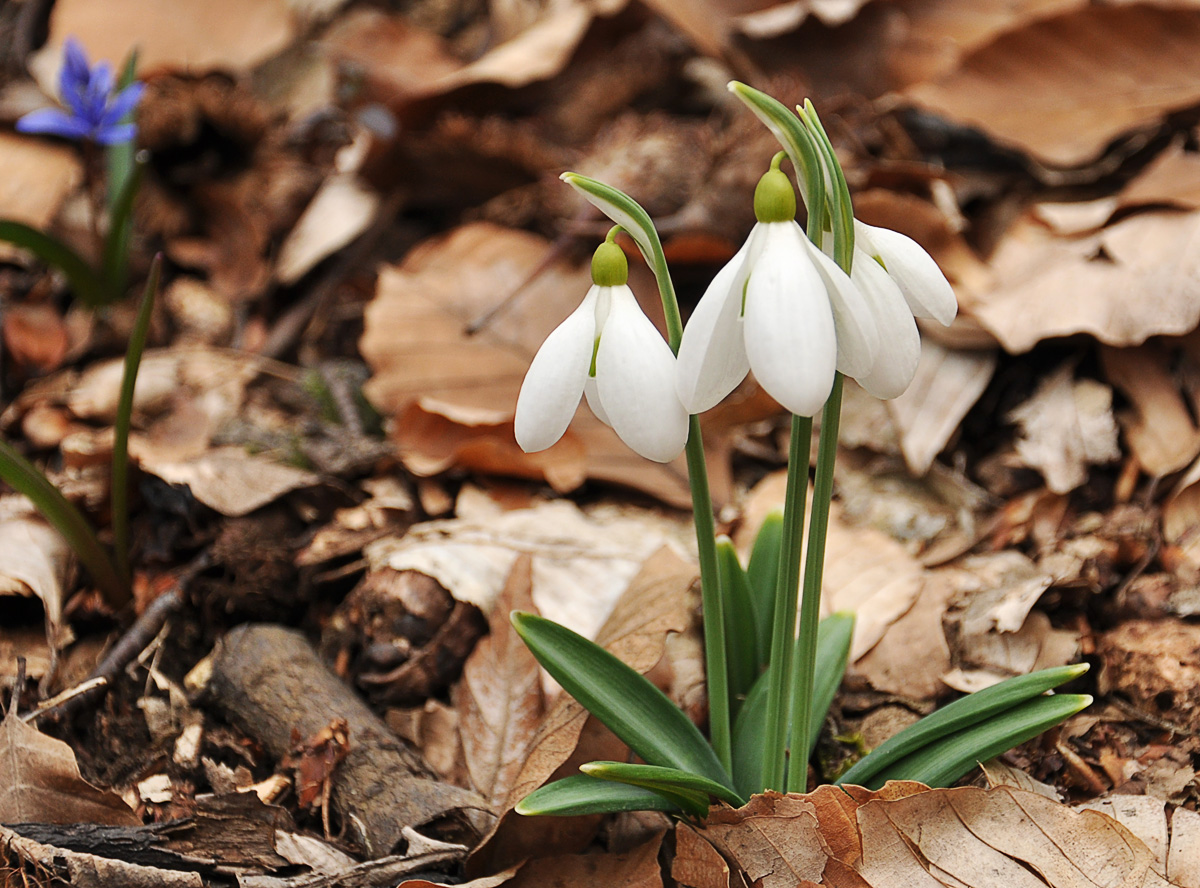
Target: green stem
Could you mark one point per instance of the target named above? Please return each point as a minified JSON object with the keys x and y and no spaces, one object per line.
{"x":715,"y":664}
{"x":120,"y":456}
{"x":786,"y":592}
{"x":804,"y":664}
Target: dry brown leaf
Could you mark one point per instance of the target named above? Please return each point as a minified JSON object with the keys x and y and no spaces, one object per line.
{"x":231,"y":481}
{"x":1066,"y":426}
{"x":947,"y":385}
{"x":341,"y":210}
{"x":774,"y":840}
{"x":37,"y":178}
{"x":1181,"y":515}
{"x":499,"y":697}
{"x":417,"y":342}
{"x":1172,"y":178}
{"x":40,"y":782}
{"x":1159,"y":428}
{"x":185,"y":36}
{"x":1153,"y":664}
{"x":1085,"y":77}
{"x":638,"y":868}
{"x":1183,"y":857}
{"x":36,"y":560}
{"x":1133,"y":280}
{"x":697,"y":864}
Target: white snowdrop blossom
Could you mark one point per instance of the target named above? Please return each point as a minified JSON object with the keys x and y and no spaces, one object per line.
{"x":925,"y":288}
{"x":781,"y":308}
{"x":610,"y":352}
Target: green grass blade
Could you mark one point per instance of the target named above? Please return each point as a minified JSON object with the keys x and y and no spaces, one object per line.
{"x":590,"y":795}
{"x":665,"y":781}
{"x":963,"y":713}
{"x":763,"y":573}
{"x":749,"y":758}
{"x":741,"y":638}
{"x":81,"y":277}
{"x":627,"y":703}
{"x":833,"y":652}
{"x":946,"y":760}
{"x":24,"y":477}
{"x":120,"y":456}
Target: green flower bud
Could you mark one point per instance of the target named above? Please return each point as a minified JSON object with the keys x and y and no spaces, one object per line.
{"x":610,"y":268}
{"x":774,"y":197}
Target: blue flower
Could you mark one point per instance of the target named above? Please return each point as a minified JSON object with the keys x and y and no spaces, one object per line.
{"x":94,"y":111}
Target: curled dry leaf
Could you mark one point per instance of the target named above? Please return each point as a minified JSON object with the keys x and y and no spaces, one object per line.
{"x":40,"y":782}
{"x":36,"y":560}
{"x":638,"y":868}
{"x":192,"y":36}
{"x":454,"y":392}
{"x":231,"y":481}
{"x":1047,"y":286}
{"x":1086,"y":77}
{"x":1066,"y":427}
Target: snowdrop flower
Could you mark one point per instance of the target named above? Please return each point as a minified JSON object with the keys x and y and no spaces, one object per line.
{"x":924,"y":287}
{"x":94,"y":111}
{"x":781,"y":308}
{"x":610,"y":352}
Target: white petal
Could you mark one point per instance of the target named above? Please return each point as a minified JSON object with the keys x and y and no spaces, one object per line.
{"x":857,"y":334}
{"x":925,"y":288}
{"x":635,"y":379}
{"x":593,"y":400}
{"x":899,"y":341}
{"x":712,"y":354}
{"x":556,"y":377}
{"x":790,"y":338}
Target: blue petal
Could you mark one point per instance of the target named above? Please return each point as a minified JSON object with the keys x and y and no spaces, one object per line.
{"x":123,"y":102}
{"x":53,"y":122}
{"x":115,"y":134}
{"x":98,"y":90}
{"x":75,"y":69}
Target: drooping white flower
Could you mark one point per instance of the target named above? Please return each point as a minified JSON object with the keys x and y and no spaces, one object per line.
{"x":781,"y":308}
{"x":925,"y":288}
{"x":610,"y":352}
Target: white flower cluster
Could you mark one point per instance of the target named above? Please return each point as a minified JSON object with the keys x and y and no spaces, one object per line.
{"x":780,"y":307}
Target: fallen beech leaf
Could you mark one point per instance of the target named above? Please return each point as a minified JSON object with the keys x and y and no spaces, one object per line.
{"x":947,"y":385}
{"x":499,"y":697}
{"x":774,"y":839}
{"x":40,"y":782}
{"x":1172,"y":178}
{"x":1086,"y":77}
{"x":36,"y":560}
{"x":697,"y":864}
{"x":1047,"y":286}
{"x":638,"y":868}
{"x":1159,"y":428}
{"x":36,"y":336}
{"x":1144,"y":816}
{"x":417,"y":342}
{"x":1065,"y":427}
{"x":232,"y":481}
{"x":1152,"y":663}
{"x":340,"y":211}
{"x":185,"y":36}
{"x":1183,"y":857}
{"x":38,"y":176}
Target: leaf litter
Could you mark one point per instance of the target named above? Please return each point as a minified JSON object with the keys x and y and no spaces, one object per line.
{"x":1031,"y":500}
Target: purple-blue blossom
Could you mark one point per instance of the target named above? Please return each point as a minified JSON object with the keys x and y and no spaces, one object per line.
{"x":93,"y":111}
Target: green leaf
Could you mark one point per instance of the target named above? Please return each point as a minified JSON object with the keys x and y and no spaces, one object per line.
{"x":665,"y":781}
{"x":838,"y":196}
{"x":589,"y":795}
{"x":763,"y":572}
{"x":741,"y":640}
{"x":630,"y":215}
{"x":20,"y":474}
{"x":119,"y":156}
{"x":942,"y":762}
{"x":120,"y":232}
{"x":833,"y":648}
{"x":796,"y":141}
{"x":120,"y":455}
{"x":632,"y":708}
{"x":833,"y":651}
{"x":963,"y":713}
{"x":81,"y":277}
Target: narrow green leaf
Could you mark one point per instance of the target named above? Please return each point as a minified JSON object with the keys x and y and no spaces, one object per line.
{"x":81,"y":277}
{"x":120,"y":228}
{"x":24,"y":477}
{"x":833,"y":652}
{"x":634,"y":709}
{"x":833,"y":648}
{"x":589,"y":795}
{"x":120,"y":456}
{"x":663,"y":780}
{"x":741,"y":639}
{"x":119,"y":157}
{"x":796,"y":141}
{"x":963,"y":713}
{"x":838,"y":195}
{"x":944,"y":761}
{"x":763,"y":573}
